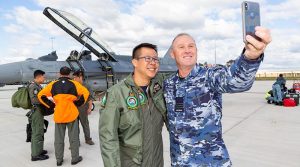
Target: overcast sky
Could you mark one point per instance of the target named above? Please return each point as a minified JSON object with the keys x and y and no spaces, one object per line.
{"x":122,"y":24}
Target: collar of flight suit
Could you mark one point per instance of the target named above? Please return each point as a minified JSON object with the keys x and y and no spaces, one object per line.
{"x":38,"y":85}
{"x":130,"y":82}
{"x":193,"y":73}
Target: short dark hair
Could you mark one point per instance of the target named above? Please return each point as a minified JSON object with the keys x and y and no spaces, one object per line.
{"x":280,"y":75}
{"x":38,"y":73}
{"x":78,"y":73}
{"x":65,"y":70}
{"x":135,"y":52}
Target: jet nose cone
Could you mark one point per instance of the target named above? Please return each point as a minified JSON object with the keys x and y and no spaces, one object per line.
{"x":10,"y":73}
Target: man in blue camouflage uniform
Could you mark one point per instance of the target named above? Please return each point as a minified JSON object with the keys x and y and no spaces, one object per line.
{"x":194,"y":100}
{"x":278,"y":89}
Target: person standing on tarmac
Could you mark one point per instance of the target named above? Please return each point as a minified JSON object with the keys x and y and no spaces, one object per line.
{"x":37,"y":119}
{"x":67,"y":95}
{"x":85,"y":109}
{"x":132,"y":115}
{"x":194,"y":99}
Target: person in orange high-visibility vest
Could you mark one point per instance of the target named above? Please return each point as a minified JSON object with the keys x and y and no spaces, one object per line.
{"x":67,"y":94}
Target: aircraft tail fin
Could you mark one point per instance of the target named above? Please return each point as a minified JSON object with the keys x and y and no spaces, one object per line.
{"x":167,"y":59}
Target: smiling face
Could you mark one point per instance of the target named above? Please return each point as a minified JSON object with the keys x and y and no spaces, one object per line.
{"x":184,"y":51}
{"x":144,"y":64}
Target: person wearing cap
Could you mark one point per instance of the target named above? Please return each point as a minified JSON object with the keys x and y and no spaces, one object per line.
{"x":133,"y":113}
{"x":85,"y":109}
{"x":67,"y":95}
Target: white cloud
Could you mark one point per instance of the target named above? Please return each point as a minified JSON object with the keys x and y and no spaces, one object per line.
{"x":288,"y":9}
{"x":8,"y":16}
{"x":31,"y":20}
{"x":123,"y":26}
{"x":12,"y":28}
{"x":171,"y":14}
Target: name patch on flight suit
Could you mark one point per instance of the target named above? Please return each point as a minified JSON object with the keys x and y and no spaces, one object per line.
{"x":156,"y":87}
{"x":179,"y":104}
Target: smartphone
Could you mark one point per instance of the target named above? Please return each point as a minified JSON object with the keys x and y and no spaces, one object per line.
{"x":251,"y":18}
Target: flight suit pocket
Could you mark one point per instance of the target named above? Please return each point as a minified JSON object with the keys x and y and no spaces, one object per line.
{"x":159,"y":101}
{"x":126,"y":119}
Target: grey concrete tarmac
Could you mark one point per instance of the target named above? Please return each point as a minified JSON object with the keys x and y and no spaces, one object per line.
{"x":256,"y":133}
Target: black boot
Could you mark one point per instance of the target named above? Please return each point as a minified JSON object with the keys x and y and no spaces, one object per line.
{"x":39,"y":157}
{"x":76,"y":161}
{"x":44,"y":152}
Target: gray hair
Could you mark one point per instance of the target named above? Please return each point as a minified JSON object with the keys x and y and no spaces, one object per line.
{"x":179,"y":35}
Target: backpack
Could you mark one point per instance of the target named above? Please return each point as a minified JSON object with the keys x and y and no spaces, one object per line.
{"x":21,"y":98}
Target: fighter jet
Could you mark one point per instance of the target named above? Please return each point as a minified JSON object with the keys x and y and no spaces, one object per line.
{"x":100,"y":74}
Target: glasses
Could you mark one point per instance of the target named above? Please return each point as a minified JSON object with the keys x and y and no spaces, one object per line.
{"x":149,"y":59}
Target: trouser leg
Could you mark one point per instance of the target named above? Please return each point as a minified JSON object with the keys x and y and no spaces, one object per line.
{"x":60,"y":129}
{"x":83,"y":118}
{"x":278,"y":93}
{"x":274,"y":93}
{"x":74,"y":139}
{"x":37,"y":136}
{"x":270,"y":98}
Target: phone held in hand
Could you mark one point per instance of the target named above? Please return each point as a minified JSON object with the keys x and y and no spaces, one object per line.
{"x":251,"y":18}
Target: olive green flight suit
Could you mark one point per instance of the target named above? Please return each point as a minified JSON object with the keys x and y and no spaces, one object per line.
{"x":130,"y":124}
{"x":37,"y":121}
{"x":83,"y":116}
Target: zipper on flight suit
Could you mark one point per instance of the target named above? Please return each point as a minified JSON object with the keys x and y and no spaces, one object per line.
{"x":133,"y":88}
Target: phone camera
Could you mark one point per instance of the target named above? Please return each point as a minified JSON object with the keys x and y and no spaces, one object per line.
{"x":246,"y":6}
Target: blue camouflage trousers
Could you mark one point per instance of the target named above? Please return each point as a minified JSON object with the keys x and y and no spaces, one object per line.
{"x":277,"y":93}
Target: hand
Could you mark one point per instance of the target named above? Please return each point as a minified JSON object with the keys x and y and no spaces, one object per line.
{"x":50,"y":103}
{"x":254,"y":47}
{"x":89,"y":111}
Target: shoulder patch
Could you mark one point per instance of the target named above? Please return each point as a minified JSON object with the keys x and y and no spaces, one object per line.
{"x":35,"y":91}
{"x":103,"y":100}
{"x":131,"y":102}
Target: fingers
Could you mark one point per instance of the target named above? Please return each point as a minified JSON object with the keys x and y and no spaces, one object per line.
{"x":264,"y":34}
{"x":255,"y":47}
{"x":256,"y":44}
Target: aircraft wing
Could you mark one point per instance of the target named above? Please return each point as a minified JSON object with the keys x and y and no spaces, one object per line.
{"x":81,"y":32}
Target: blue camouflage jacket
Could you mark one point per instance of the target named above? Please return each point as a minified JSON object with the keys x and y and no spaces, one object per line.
{"x":280,"y":81}
{"x":194,"y":106}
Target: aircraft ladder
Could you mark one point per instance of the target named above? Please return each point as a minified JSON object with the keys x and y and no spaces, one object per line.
{"x":107,"y":68}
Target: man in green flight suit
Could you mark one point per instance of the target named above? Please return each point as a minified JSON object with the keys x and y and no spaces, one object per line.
{"x":37,"y":118}
{"x":132,"y":115}
{"x":85,"y":109}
